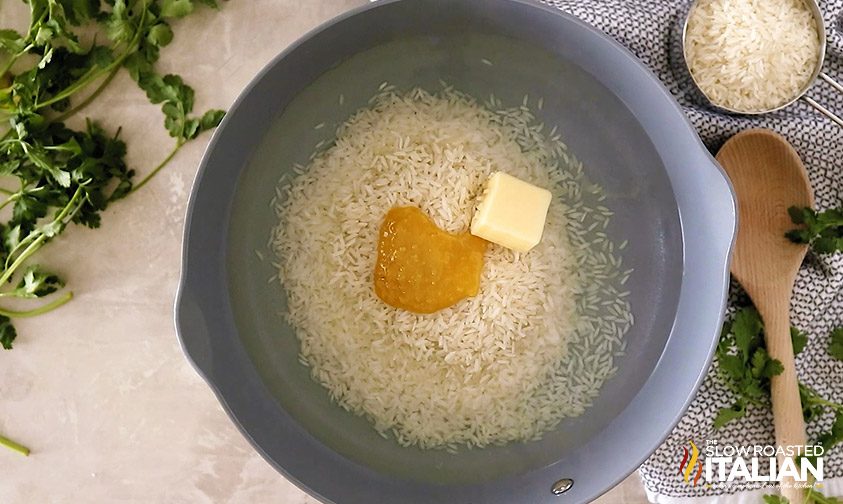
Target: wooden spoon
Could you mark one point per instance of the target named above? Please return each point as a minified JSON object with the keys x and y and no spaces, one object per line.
{"x":769,"y":177}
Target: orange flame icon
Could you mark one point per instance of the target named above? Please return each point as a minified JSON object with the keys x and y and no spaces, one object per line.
{"x":686,"y":467}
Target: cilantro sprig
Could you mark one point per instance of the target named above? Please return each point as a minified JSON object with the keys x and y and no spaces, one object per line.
{"x":746,"y":369}
{"x":822,"y":230}
{"x":745,"y":365}
{"x":52,"y":175}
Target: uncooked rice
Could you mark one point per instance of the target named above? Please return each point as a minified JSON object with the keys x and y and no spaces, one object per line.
{"x":751,"y":55}
{"x":537,"y":342}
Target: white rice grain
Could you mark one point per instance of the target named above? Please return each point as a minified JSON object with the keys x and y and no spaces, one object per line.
{"x":505,"y":365}
{"x":751,"y":55}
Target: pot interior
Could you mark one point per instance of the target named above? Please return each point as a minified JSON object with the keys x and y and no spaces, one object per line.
{"x":598,"y":129}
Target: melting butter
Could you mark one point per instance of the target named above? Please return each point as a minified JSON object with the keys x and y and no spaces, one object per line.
{"x":421,"y":268}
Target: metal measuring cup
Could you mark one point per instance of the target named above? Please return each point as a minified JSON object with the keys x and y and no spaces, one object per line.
{"x":682,"y":70}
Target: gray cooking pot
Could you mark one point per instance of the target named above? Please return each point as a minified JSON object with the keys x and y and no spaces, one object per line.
{"x":673,"y":204}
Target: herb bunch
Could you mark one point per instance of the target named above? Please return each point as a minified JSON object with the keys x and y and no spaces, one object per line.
{"x":746,"y":369}
{"x":52,"y":175}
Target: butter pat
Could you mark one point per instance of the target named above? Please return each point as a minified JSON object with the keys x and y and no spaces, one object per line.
{"x":511,"y":212}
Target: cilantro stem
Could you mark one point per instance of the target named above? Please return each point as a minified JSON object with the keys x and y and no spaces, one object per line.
{"x":14,"y":58}
{"x":28,"y":251}
{"x":816,"y":399}
{"x":8,"y":443}
{"x":90,"y":76}
{"x":13,"y":196}
{"x":33,"y":22}
{"x":23,"y":243}
{"x":158,"y":168}
{"x":812,"y":496}
{"x":87,"y":101}
{"x":10,"y":199}
{"x":40,"y":238}
{"x":94,"y":74}
{"x":52,"y":305}
{"x":8,"y":65}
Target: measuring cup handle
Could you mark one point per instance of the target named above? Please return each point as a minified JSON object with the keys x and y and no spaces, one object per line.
{"x":822,"y":110}
{"x":836,"y":85}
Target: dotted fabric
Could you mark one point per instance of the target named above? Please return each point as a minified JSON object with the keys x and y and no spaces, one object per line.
{"x":644,"y":27}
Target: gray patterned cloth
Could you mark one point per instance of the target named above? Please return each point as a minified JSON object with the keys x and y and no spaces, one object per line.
{"x":644,"y":27}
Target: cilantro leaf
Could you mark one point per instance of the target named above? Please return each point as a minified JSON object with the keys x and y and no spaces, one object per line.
{"x":7,"y":332}
{"x":160,"y":35}
{"x":756,"y":390}
{"x":119,"y":24}
{"x":834,"y":435}
{"x":798,"y":339}
{"x":80,"y":11}
{"x":36,"y":283}
{"x":803,"y":215}
{"x":53,"y":30}
{"x":11,"y":41}
{"x":28,"y":209}
{"x":733,"y":366}
{"x":177,"y":99}
{"x":822,"y":230}
{"x":726,"y":415}
{"x":811,"y":409}
{"x":835,"y":346}
{"x":772,"y":367}
{"x":210,"y":120}
{"x":747,"y":329}
{"x":759,"y":365}
{"x":176,"y":8}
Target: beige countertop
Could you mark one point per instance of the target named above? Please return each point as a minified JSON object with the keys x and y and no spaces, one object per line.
{"x":99,"y":389}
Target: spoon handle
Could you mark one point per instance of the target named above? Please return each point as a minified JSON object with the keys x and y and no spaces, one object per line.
{"x":784,"y":388}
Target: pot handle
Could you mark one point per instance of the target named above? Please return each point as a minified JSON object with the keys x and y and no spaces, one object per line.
{"x":724,"y":202}
{"x":191,"y":328}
